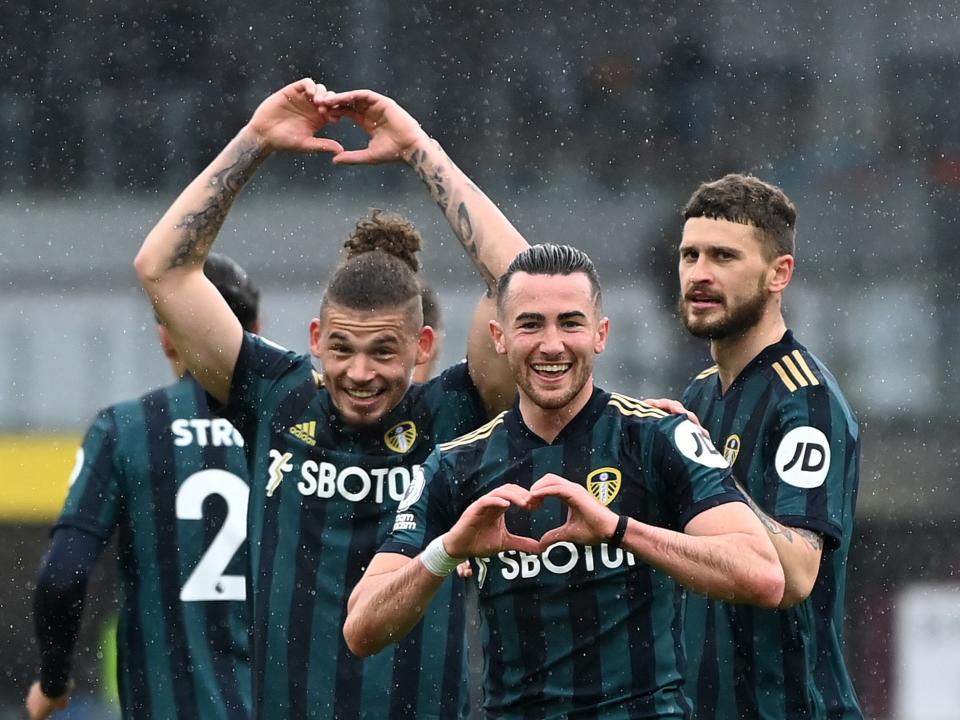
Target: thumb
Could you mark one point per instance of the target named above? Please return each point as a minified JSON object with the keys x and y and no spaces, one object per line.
{"x":354,"y":157}
{"x":322,"y":145}
{"x":552,"y":536}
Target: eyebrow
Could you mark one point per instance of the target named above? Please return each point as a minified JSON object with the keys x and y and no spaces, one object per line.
{"x":539,"y":317}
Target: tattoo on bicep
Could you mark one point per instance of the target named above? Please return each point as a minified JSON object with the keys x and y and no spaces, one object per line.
{"x":201,"y":228}
{"x":812,"y":538}
{"x":769,"y":524}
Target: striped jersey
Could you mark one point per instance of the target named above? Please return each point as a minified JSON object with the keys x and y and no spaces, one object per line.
{"x":323,"y":497}
{"x":578,"y":631}
{"x":170,"y":478}
{"x":794,"y":444}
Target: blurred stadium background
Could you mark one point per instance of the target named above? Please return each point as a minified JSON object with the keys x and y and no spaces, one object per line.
{"x":589,"y":123}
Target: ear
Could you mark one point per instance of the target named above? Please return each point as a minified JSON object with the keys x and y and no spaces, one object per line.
{"x":781,"y":272}
{"x":603,"y":330}
{"x":496,"y":332}
{"x":316,"y":331}
{"x":166,"y":343}
{"x":426,"y":340}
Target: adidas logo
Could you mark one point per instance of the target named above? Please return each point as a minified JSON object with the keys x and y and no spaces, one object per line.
{"x":306,"y":431}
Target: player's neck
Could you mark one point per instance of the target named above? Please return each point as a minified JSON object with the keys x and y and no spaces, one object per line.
{"x":733,"y":354}
{"x":178,"y":366}
{"x":546,"y":423}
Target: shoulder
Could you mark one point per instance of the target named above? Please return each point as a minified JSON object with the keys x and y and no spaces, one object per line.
{"x":633,"y":411}
{"x":700,"y":382}
{"x":450,"y":400}
{"x":453,"y":380}
{"x":472,"y":441}
{"x":261,"y":356}
{"x":807,"y":391}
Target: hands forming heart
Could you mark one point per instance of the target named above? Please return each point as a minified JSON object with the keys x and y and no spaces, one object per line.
{"x":291,"y":117}
{"x":481,"y":531}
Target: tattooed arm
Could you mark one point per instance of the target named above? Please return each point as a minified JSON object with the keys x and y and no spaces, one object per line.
{"x":799,"y":550}
{"x":485,"y":233}
{"x":170,"y":262}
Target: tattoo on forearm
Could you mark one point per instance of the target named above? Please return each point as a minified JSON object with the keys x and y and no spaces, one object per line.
{"x":814,"y":539}
{"x":437,"y":180}
{"x":201,"y":228}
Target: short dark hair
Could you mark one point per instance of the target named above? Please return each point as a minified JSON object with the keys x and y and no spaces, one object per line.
{"x":380,"y":269}
{"x":550,"y":259}
{"x":748,"y":200}
{"x":235,"y":286}
{"x":431,"y":306}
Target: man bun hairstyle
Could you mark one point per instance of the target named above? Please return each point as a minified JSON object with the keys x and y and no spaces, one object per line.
{"x":390,"y":233}
{"x":380,"y":267}
{"x":748,"y":200}
{"x":233,"y":283}
{"x":550,"y":259}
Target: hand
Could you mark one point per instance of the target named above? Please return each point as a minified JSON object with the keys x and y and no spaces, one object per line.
{"x":394,"y":134}
{"x":40,"y":707}
{"x":465,"y":569}
{"x":481,"y":531}
{"x":674,"y":407}
{"x":289,"y":119}
{"x":588,"y":522}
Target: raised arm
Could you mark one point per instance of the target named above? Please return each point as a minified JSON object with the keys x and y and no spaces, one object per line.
{"x":723,"y":552}
{"x":170,"y":262}
{"x":395,"y":591}
{"x":488,"y":237}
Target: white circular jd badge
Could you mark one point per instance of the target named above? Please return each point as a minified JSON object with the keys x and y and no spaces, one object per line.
{"x":414,"y":489}
{"x":803,"y":457}
{"x":694,"y":443}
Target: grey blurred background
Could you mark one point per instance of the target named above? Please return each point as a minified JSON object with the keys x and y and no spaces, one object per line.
{"x":588,"y":123}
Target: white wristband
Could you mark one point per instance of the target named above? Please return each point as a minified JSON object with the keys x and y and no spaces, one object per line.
{"x":437,"y":560}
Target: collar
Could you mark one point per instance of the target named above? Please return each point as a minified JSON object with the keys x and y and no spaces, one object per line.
{"x":762,"y":359}
{"x":582,"y":422}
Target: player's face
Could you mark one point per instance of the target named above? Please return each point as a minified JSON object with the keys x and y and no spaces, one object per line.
{"x":724,"y":278}
{"x":367,"y":359}
{"x":550,"y":329}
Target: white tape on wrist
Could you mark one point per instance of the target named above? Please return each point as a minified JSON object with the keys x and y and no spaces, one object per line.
{"x":437,"y":560}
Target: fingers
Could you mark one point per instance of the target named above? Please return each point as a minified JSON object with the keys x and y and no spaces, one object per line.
{"x":465,"y":569}
{"x":355,"y":157}
{"x":357,"y":99}
{"x":674,"y":407}
{"x":323,"y":145}
{"x":554,"y":485}
{"x":515,"y":494}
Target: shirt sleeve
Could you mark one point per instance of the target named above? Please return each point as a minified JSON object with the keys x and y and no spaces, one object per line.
{"x":426,"y":510}
{"x":94,"y":497}
{"x":58,"y":603}
{"x":260,"y":366}
{"x":814,"y":454}
{"x":693,"y":475}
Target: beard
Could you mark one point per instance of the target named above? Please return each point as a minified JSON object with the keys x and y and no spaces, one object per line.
{"x":555,"y":400}
{"x":737,"y":320}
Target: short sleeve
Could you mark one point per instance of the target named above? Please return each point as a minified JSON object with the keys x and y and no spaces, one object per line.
{"x":426,"y":510}
{"x":94,"y":497}
{"x":260,"y":365}
{"x":693,"y":476}
{"x":815,"y":449}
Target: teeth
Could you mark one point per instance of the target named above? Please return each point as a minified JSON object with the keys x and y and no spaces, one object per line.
{"x":362,"y":394}
{"x":551,"y":368}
